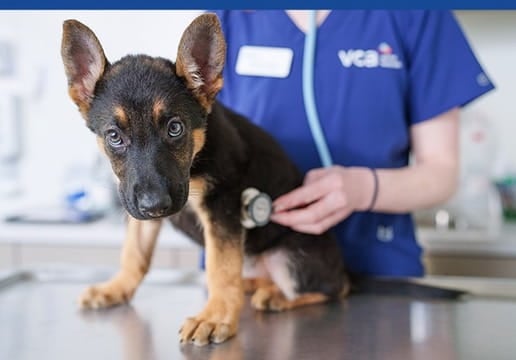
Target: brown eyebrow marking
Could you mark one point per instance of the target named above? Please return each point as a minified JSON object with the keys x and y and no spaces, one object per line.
{"x":199,"y":138}
{"x":157,"y":109}
{"x":121,"y":116}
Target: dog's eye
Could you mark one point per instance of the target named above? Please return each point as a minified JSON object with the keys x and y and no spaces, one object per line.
{"x":175,"y":128}
{"x":114,"y":138}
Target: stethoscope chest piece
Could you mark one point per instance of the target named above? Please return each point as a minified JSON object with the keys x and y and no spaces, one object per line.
{"x":256,"y":208}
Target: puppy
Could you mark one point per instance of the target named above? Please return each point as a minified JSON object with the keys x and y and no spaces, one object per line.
{"x":178,"y":154}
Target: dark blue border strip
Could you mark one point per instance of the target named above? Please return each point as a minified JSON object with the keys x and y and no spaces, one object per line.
{"x":255,"y":4}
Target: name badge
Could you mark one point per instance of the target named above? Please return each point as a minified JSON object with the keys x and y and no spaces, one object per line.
{"x":264,"y":61}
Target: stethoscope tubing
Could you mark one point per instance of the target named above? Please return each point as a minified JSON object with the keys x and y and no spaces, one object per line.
{"x":308,"y":92}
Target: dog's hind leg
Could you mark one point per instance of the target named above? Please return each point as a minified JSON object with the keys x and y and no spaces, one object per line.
{"x":255,"y":274}
{"x":281,"y":293}
{"x":253,"y":284}
{"x":271,"y":298}
{"x":135,"y":261}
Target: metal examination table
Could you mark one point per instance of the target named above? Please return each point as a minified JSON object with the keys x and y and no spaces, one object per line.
{"x":39,"y":320}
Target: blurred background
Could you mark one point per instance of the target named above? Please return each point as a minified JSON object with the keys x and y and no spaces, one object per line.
{"x":57,"y":200}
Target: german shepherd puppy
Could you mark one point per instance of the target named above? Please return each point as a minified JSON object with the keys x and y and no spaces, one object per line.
{"x":178,"y":153}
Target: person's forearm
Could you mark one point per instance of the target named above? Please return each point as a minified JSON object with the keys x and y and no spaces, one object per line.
{"x":415,"y":187}
{"x":433,"y":177}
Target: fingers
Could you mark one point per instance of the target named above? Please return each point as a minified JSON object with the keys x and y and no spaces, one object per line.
{"x":314,"y":212}
{"x":317,"y":217}
{"x":318,"y":183}
{"x":301,"y":196}
{"x":323,"y":225}
{"x":321,"y":202}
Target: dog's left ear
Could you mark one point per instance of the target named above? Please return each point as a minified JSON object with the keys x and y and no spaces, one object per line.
{"x":84,"y":62}
{"x":200,"y":58}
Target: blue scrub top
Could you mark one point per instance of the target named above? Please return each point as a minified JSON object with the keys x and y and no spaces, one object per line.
{"x":376,"y":74}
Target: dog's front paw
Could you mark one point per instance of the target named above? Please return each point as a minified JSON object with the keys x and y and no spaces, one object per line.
{"x":202,"y":332}
{"x":216,"y":323}
{"x":105,"y":295}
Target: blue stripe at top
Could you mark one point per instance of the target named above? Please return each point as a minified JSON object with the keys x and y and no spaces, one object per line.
{"x":255,"y":4}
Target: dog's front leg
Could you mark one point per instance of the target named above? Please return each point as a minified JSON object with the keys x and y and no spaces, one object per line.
{"x":135,"y":260}
{"x":219,"y":319}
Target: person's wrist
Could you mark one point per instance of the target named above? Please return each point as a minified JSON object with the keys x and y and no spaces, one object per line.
{"x":366,"y":179}
{"x":374,"y":194}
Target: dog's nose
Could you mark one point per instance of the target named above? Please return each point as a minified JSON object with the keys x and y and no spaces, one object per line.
{"x":154,"y":205}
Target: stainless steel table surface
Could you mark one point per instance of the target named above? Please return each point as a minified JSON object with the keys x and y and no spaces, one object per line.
{"x":39,"y":320}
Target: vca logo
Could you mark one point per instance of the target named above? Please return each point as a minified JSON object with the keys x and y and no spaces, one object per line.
{"x":383,"y":57}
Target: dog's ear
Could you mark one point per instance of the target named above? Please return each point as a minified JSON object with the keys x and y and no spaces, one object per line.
{"x":200,"y":58}
{"x":84,"y":62}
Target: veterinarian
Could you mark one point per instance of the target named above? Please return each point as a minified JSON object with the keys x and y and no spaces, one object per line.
{"x":386,"y":85}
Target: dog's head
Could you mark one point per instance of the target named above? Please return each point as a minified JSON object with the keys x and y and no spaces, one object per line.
{"x":149,"y":114}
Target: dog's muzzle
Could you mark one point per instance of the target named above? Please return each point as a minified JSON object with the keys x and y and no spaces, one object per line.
{"x":154,"y":205}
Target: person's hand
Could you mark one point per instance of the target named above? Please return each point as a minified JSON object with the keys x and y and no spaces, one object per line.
{"x":327,"y":196}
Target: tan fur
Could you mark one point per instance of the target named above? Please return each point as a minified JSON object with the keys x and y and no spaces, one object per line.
{"x":199,"y":138}
{"x":101,"y":145}
{"x":198,"y":186}
{"x":78,"y":99}
{"x":253,"y":284}
{"x":219,"y":318}
{"x":135,"y":260}
{"x":207,"y":101}
{"x":157,"y":109}
{"x":121,"y":117}
{"x":271,"y":298}
{"x":196,"y":192}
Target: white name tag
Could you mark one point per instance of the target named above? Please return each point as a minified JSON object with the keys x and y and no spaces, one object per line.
{"x":264,"y":61}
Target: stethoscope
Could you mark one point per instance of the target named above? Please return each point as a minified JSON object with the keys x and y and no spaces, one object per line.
{"x":256,"y":205}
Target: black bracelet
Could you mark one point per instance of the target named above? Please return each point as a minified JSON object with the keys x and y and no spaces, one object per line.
{"x":375,"y":190}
